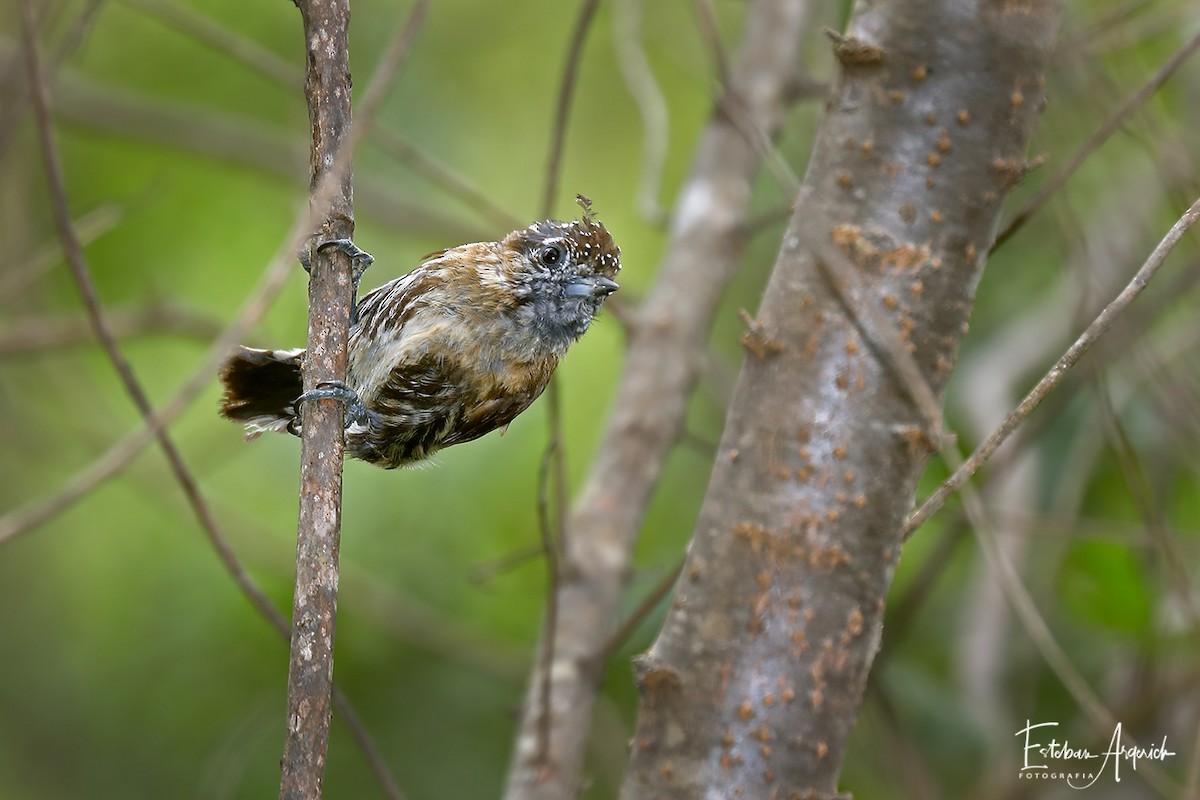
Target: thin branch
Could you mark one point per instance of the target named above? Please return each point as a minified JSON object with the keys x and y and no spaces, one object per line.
{"x":36,"y":334}
{"x":1099,"y":137}
{"x":222,"y":39}
{"x":551,"y":459}
{"x":327,"y":89}
{"x":554,"y":463}
{"x":648,"y":96}
{"x":562,"y":107}
{"x":639,"y":614}
{"x":442,"y":176}
{"x":1153,"y":518}
{"x":39,"y":260}
{"x":1052,"y":378}
{"x":265,"y":62}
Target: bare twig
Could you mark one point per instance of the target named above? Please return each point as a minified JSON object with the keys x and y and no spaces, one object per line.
{"x":1052,"y":378}
{"x":41,"y":259}
{"x":330,"y":290}
{"x":443,"y":176}
{"x":327,"y":87}
{"x":551,"y":459}
{"x":35,"y":334}
{"x":1099,"y":137}
{"x":639,"y":78}
{"x":223,"y":39}
{"x":16,"y":99}
{"x":639,"y":614}
{"x":553,"y":475}
{"x":562,"y":107}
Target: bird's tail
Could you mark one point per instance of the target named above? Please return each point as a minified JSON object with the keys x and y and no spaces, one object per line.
{"x":261,"y":387}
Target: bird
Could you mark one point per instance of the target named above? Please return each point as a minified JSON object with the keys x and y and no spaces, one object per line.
{"x":447,"y":353}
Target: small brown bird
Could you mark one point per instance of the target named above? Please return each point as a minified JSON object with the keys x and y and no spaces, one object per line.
{"x":449,"y":352}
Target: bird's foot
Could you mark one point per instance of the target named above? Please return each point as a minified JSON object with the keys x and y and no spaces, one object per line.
{"x":356,"y":410}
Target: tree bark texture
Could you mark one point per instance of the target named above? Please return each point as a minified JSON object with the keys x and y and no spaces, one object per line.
{"x":668,"y":338}
{"x":310,"y":673}
{"x":754,"y":683}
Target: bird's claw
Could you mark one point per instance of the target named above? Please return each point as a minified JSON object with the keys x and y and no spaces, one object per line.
{"x":356,"y":410}
{"x":360,"y":260}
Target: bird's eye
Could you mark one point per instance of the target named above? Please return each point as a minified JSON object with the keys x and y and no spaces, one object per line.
{"x":551,"y":254}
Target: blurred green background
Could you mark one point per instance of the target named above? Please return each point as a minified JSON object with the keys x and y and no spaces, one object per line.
{"x":131,"y":666}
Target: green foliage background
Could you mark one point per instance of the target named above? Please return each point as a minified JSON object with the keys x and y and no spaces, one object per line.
{"x":130,"y":665}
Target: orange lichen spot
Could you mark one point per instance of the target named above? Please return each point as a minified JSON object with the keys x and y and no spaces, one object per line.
{"x":868,"y":148}
{"x":694,"y":573}
{"x":839,"y":452}
{"x":889,"y":301}
{"x":917,"y":288}
{"x":727,"y":739}
{"x":726,"y":762}
{"x":768,"y":776}
{"x":733,"y":456}
{"x":833,"y":515}
{"x":822,"y":749}
{"x":755,"y":338}
{"x":855,"y":623}
{"x":930,"y":182}
{"x":935,"y":262}
{"x":1017,"y":98}
{"x":766,"y":753}
{"x":753,"y":533}
{"x":666,"y":770}
{"x":860,"y":501}
{"x":920,"y":73}
{"x":896,"y":97}
{"x":845,"y":180}
{"x":845,"y":236}
{"x":817,"y":698}
{"x":933,"y":160}
{"x":970,"y":252}
{"x":768,"y":700}
{"x":852,"y":347}
{"x":644,"y":743}
{"x":848,"y":476}
{"x":799,"y":637}
{"x":943,"y":142}
{"x":762,"y":733}
{"x":804,"y":473}
{"x":764,"y":580}
{"x":745,"y":710}
{"x":935,"y":216}
{"x":931,"y":119}
{"x":963,"y":117}
{"x":893,"y":169}
{"x":788,"y":695}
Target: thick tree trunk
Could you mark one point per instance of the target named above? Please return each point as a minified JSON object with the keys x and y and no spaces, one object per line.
{"x":754,"y":683}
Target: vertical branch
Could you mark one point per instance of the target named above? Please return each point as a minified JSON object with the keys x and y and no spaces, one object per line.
{"x":553,"y":474}
{"x":310,"y":671}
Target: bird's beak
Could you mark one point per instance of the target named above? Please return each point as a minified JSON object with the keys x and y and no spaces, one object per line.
{"x":592,"y":286}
